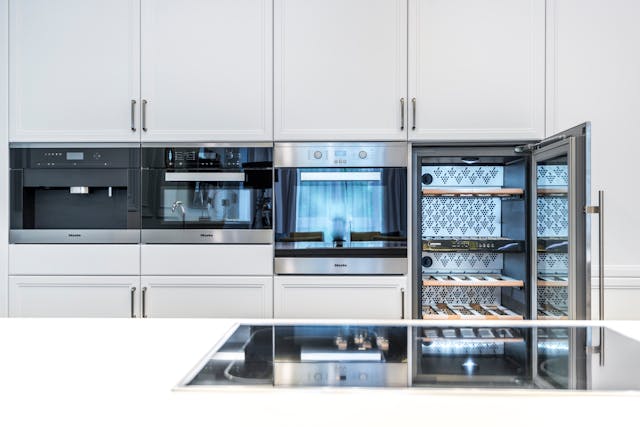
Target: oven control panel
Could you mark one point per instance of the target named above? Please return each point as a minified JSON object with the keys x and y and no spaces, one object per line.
{"x":342,"y":157}
{"x":349,"y":155}
{"x":73,"y":158}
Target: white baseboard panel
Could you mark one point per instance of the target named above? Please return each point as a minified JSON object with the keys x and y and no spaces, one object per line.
{"x":621,"y":270}
{"x":621,"y":300}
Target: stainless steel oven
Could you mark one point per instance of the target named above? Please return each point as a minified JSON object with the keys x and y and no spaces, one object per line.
{"x":207,"y":193}
{"x":74,"y":193}
{"x":341,"y":208}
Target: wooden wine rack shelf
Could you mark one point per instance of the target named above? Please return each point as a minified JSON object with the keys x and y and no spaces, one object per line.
{"x":468,"y":312}
{"x":553,"y":191}
{"x":472,"y":335}
{"x":549,"y":312}
{"x":554,"y":281}
{"x":470,"y":192}
{"x":471,"y":280}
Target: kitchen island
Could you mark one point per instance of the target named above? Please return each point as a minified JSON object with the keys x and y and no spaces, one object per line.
{"x":118,"y":372}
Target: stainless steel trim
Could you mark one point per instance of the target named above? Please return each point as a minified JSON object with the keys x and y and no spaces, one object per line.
{"x":133,"y":115}
{"x":74,"y":236}
{"x":402,"y":302}
{"x":144,"y":301}
{"x":340,"y":266}
{"x":133,"y":304}
{"x":80,"y":190}
{"x":205,"y":236}
{"x":352,"y":374}
{"x":242,"y":144}
{"x":144,"y":115}
{"x":376,"y":154}
{"x":401,"y":113}
{"x":74,"y":145}
{"x":413,"y":104}
{"x":204,"y":176}
{"x":340,"y":176}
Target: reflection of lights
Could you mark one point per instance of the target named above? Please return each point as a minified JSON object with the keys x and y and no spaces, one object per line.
{"x":462,"y":347}
{"x":553,"y":347}
{"x":469,"y":366}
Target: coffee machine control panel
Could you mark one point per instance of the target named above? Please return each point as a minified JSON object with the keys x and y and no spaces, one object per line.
{"x":72,"y":158}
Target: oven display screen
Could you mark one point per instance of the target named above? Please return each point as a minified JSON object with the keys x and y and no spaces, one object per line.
{"x":75,"y":156}
{"x":340,"y":153}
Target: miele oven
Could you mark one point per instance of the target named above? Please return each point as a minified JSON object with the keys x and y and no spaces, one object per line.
{"x":341,"y":208}
{"x":74,"y":193}
{"x":207,"y":193}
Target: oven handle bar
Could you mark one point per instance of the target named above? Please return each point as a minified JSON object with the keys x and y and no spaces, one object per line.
{"x":204,"y":176}
{"x":340,"y":176}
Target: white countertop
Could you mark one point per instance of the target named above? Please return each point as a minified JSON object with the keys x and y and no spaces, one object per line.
{"x":120,"y":372}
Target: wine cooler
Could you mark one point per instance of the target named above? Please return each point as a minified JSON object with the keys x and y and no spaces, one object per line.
{"x":502,"y":230}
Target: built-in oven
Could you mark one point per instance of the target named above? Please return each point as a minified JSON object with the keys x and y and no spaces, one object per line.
{"x":341,"y":208}
{"x":74,"y":193}
{"x":207,"y":193}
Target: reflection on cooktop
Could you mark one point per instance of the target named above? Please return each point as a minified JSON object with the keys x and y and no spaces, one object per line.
{"x":342,"y":245}
{"x":513,"y":355}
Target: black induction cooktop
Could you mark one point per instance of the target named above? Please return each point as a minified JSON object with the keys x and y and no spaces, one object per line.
{"x":500,"y":355}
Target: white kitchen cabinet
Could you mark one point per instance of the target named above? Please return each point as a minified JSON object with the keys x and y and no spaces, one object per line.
{"x":214,"y":296}
{"x":476,"y":69}
{"x":74,"y":70}
{"x":339,"y":297}
{"x":73,"y":296}
{"x":595,"y":75}
{"x":340,"y":69}
{"x":207,"y":70}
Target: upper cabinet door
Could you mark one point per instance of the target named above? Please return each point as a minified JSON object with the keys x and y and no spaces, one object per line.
{"x":207,"y":70}
{"x":340,"y":69}
{"x":476,"y":69}
{"x":74,"y":70}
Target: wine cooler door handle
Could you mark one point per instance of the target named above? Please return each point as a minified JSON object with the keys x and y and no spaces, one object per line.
{"x":413,"y":105}
{"x":133,"y":302}
{"x":133,"y":115}
{"x":402,"y":302}
{"x":600,"y":211}
{"x":144,"y":301}
{"x":401,"y":113}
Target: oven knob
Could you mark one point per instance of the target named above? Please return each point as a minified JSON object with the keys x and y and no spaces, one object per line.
{"x":317,"y":376}
{"x":317,"y":154}
{"x":362,"y":154}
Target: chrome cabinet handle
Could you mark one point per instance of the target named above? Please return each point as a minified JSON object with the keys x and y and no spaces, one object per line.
{"x":402,"y":302}
{"x":144,"y":115}
{"x":133,"y":115}
{"x":133,"y":307}
{"x":413,"y":104}
{"x":401,"y":113}
{"x":144,"y":301}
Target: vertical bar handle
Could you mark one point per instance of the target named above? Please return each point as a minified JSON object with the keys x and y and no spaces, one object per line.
{"x":401,"y":113}
{"x":133,"y":115}
{"x":413,"y":105}
{"x":402,"y":302}
{"x":601,"y":269}
{"x":144,"y":301}
{"x":144,"y":115}
{"x":133,"y":302}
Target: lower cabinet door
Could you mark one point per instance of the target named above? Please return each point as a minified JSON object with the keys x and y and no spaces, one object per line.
{"x":73,"y":296}
{"x":210,"y":296}
{"x":326,"y":297}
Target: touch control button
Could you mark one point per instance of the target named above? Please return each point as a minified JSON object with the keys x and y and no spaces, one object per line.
{"x":317,"y":154}
{"x":317,"y":376}
{"x":362,"y":154}
{"x":363,"y":376}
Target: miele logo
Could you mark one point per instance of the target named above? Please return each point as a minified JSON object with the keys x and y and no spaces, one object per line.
{"x":339,"y":265}
{"x":205,"y":235}
{"x":74,"y":235}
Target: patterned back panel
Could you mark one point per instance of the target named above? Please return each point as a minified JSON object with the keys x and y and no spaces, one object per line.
{"x":460,"y":295}
{"x":552,"y":217}
{"x":463,"y":262}
{"x":552,"y":176}
{"x":558,"y":296}
{"x":461,"y":217}
{"x":550,"y":263}
{"x":464,"y":176}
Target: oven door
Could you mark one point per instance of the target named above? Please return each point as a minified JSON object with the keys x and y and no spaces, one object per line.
{"x":207,"y":205}
{"x":341,"y":220}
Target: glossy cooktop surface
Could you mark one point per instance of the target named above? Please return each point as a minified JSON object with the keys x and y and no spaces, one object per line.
{"x":524,"y":355}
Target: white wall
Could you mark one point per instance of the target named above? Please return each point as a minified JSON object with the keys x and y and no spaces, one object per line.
{"x":4,"y":158}
{"x":593,"y":73}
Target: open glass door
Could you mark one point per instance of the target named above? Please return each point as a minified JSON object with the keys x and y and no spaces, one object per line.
{"x":560,"y":226}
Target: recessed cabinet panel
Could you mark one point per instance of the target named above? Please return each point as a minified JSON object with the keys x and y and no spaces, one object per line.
{"x":340,"y":69}
{"x":207,"y":70}
{"x":476,"y":69}
{"x":74,"y":70}
{"x":325,"y":297}
{"x":66,"y":296}
{"x":223,"y":297}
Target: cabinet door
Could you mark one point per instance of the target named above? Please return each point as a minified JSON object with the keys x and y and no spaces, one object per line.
{"x":207,"y":70}
{"x":476,"y":69}
{"x":74,"y":70}
{"x":340,"y":69}
{"x":224,"y":297}
{"x":77,"y":296}
{"x":327,"y":297}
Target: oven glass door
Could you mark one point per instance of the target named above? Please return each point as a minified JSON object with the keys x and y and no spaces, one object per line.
{"x":341,"y":211}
